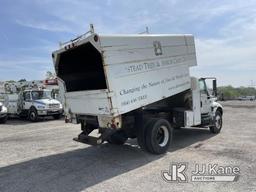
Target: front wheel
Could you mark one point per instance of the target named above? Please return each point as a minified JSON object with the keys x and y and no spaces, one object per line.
{"x":32,"y":115}
{"x":217,"y":123}
{"x":158,"y":136}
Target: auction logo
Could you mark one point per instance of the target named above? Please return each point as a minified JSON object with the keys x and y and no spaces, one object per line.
{"x":201,"y":173}
{"x":175,"y":173}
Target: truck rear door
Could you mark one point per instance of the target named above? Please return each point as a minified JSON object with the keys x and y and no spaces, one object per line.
{"x":82,"y":71}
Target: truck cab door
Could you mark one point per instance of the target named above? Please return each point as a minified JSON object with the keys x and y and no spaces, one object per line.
{"x":27,"y":100}
{"x":205,"y":97}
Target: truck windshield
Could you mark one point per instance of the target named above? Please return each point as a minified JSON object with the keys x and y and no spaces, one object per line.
{"x":41,"y":95}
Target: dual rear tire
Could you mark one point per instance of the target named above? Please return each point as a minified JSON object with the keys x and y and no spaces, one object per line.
{"x":156,"y":136}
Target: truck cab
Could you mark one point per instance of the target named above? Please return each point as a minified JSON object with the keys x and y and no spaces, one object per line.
{"x":198,"y":107}
{"x":38,"y":103}
{"x":211,"y":110}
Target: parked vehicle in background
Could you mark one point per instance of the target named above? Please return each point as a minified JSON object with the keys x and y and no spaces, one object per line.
{"x":30,"y":99}
{"x":134,"y":86}
{"x":3,"y":108}
{"x":247,"y":98}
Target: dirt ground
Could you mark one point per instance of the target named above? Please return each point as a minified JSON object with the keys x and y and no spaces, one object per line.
{"x":42,"y":157}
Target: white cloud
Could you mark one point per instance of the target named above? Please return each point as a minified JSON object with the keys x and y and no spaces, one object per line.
{"x":48,"y":26}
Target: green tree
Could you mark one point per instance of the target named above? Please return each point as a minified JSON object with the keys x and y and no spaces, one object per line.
{"x":229,"y":92}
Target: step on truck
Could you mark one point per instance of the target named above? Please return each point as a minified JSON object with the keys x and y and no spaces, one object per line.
{"x":134,"y":86}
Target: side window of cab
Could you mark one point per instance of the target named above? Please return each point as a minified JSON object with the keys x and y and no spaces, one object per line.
{"x":203,"y":88}
{"x":27,"y":96}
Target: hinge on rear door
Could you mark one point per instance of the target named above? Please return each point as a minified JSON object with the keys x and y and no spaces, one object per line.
{"x":110,"y":94}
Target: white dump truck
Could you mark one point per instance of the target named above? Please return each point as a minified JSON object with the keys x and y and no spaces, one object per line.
{"x":134,"y":86}
{"x":29,"y":99}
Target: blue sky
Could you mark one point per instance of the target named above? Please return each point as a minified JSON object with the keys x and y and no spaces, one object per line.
{"x":225,"y":32}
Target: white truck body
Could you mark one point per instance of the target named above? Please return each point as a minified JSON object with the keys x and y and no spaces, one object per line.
{"x":139,"y":70}
{"x":12,"y":104}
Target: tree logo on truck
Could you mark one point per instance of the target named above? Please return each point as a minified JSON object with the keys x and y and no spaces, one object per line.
{"x":157,"y":48}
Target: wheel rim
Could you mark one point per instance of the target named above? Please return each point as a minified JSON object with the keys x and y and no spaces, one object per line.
{"x":162,"y":136}
{"x":32,"y":115}
{"x":218,"y":122}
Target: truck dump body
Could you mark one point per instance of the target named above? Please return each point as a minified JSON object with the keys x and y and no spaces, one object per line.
{"x":114,"y":74}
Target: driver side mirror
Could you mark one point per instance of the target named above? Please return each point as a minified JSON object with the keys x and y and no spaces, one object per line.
{"x":214,"y":87}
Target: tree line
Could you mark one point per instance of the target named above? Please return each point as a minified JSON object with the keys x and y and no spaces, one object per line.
{"x":229,"y":92}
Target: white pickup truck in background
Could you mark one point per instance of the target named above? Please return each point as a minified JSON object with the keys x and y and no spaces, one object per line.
{"x":134,"y":86}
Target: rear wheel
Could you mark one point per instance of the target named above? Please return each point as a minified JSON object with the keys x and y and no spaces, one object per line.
{"x":141,"y":126}
{"x":158,"y":136}
{"x":217,"y":123}
{"x":32,"y":115}
{"x":118,"y":138}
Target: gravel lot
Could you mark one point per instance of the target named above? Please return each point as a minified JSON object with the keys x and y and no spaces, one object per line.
{"x":42,"y":157}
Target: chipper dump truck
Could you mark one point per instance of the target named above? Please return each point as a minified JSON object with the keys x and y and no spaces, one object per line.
{"x":134,"y":86}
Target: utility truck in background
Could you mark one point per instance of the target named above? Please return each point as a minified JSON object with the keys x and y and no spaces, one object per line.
{"x":134,"y":86}
{"x":31,"y":100}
